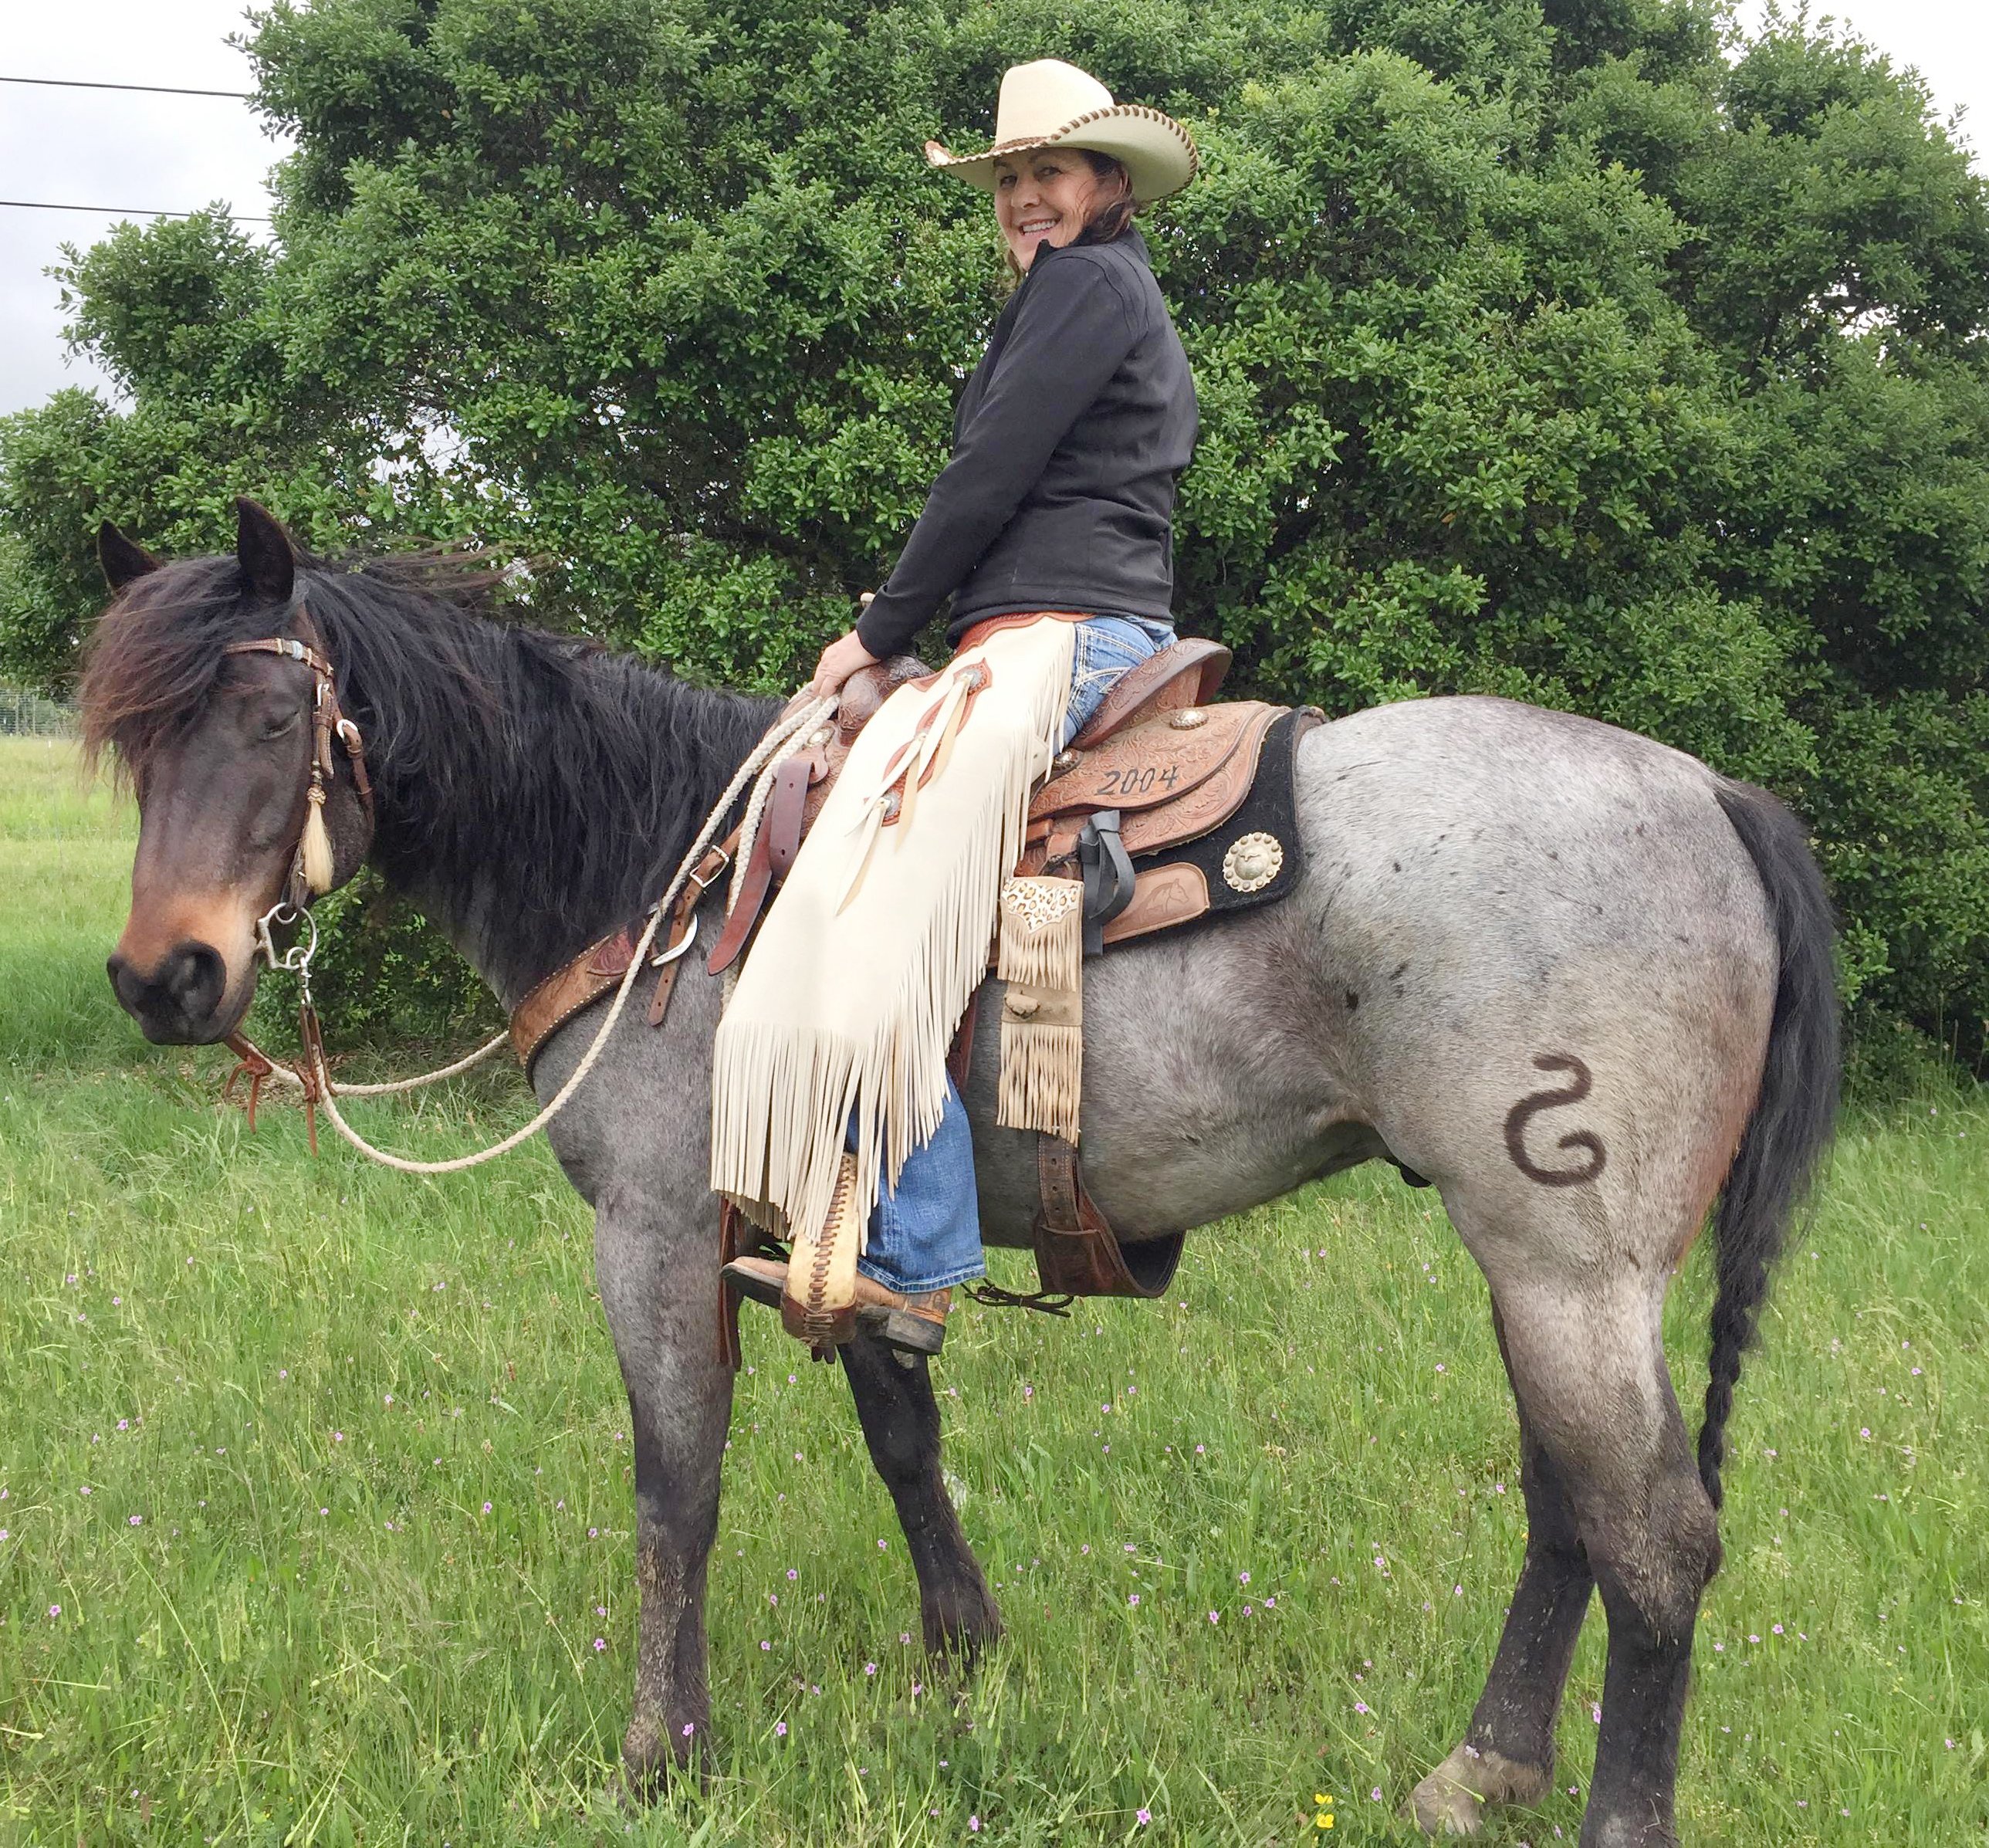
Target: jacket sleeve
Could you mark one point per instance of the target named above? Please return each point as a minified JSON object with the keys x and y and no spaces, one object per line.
{"x":1070,"y":336}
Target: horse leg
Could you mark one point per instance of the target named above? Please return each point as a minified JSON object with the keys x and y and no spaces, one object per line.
{"x":900,"y":1420}
{"x":1507,"y":1753}
{"x":680,"y":1400}
{"x":1588,"y":1360}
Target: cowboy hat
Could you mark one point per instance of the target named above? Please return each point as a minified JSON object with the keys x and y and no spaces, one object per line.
{"x":1052,"y":104}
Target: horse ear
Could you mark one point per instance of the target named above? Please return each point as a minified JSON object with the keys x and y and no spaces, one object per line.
{"x":269,"y":561}
{"x":122,"y":558}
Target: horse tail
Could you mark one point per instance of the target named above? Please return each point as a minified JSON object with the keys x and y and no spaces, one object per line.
{"x":1795,"y":1109}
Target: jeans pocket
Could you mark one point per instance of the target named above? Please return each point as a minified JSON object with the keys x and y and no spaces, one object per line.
{"x":1106,"y":648}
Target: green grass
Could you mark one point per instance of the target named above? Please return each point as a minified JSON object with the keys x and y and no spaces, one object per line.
{"x":290,"y":1388}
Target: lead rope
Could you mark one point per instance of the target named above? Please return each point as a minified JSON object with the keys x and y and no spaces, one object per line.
{"x":781,"y":740}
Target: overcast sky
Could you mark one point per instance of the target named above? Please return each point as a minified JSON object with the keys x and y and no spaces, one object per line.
{"x":100,"y":147}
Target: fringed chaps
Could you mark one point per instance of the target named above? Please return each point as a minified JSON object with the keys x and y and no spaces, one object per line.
{"x":872,"y":947}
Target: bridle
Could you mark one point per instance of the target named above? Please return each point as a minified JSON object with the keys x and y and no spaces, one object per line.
{"x":327,"y":720}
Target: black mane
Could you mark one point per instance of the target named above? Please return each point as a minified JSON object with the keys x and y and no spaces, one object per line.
{"x":534,"y":788}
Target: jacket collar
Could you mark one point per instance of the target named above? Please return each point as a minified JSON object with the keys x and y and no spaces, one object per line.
{"x":1130,"y":239}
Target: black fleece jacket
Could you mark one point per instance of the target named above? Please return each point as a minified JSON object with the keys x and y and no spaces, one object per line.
{"x":1067,"y":443}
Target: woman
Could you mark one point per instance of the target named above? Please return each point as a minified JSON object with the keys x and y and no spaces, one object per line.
{"x":1069,"y":440}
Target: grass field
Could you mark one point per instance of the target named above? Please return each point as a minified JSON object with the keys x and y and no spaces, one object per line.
{"x":314,"y":1488}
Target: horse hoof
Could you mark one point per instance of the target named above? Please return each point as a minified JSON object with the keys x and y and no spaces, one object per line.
{"x":649,"y":1762}
{"x":956,"y":1638}
{"x":1453,"y":1798}
{"x":1439,"y":1806}
{"x":1626,"y":1832}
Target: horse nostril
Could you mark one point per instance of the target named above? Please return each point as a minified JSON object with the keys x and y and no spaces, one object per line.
{"x":124,"y":983}
{"x":194,"y":976}
{"x":178,"y":998}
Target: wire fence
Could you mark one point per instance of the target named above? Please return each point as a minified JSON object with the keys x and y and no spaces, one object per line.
{"x":24,"y":714}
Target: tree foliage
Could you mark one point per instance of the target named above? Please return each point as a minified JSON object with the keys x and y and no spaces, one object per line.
{"x":1565,"y":351}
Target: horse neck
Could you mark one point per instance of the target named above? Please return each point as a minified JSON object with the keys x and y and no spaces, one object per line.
{"x":531,"y":794}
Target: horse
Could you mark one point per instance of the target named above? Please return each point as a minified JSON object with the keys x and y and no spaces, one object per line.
{"x":1573,"y":978}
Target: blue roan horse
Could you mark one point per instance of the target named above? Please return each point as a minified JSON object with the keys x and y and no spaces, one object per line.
{"x":1576,"y":979}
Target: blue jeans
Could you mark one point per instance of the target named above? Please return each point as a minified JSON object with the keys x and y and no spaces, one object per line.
{"x":1106,"y":647}
{"x":925,"y":1233}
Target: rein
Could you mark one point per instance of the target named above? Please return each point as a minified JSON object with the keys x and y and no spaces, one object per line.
{"x":310,"y":1073}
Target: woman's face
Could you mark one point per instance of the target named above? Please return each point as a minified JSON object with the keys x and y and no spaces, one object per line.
{"x":1042,"y":198}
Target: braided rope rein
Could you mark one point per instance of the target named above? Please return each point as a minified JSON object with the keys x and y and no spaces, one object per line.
{"x":785,"y":737}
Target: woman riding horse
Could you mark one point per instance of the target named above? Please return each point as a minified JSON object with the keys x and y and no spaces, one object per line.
{"x":1056,"y":509}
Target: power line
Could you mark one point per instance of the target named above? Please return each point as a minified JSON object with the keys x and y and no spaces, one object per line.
{"x":128,"y":211}
{"x":155,"y":89}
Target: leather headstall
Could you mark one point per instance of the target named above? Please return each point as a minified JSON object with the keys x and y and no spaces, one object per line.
{"x":327,"y":720}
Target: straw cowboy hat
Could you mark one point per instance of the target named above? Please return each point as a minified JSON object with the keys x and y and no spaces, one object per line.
{"x":1052,"y":104}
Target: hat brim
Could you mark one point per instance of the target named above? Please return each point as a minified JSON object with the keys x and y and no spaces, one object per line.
{"x":1159,"y":155}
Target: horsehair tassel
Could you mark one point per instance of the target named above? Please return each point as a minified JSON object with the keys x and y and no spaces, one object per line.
{"x":320,"y":871}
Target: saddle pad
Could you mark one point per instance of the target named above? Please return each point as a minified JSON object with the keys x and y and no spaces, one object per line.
{"x":1253,"y":858}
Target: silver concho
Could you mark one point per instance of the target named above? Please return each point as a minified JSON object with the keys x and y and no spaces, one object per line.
{"x":1187,"y":718}
{"x":1253,"y":862}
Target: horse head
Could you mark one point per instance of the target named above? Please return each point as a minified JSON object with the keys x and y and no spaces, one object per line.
{"x":206,"y":678}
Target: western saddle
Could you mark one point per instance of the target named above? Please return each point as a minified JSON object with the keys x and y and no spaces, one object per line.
{"x":1158,"y":766}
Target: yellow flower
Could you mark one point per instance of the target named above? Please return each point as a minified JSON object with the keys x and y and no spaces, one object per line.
{"x":1323,"y":1820}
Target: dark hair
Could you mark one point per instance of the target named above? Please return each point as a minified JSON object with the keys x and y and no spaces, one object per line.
{"x":1111,"y":218}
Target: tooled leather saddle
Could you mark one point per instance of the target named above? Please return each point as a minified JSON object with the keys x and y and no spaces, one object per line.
{"x":1171,"y":806}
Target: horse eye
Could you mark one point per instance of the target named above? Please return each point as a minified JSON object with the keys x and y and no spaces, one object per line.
{"x":281,"y":727}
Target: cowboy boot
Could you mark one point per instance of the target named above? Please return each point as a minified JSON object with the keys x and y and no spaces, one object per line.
{"x":913,"y":1323}
{"x":824,"y":1299}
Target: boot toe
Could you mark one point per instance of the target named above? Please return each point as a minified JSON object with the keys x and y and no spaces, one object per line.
{"x":762,"y":1279}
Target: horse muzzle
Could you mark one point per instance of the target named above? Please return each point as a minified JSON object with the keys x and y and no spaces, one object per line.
{"x":186,"y":998}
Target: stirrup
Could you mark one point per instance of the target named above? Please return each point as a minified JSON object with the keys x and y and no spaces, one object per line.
{"x":819,"y":1303}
